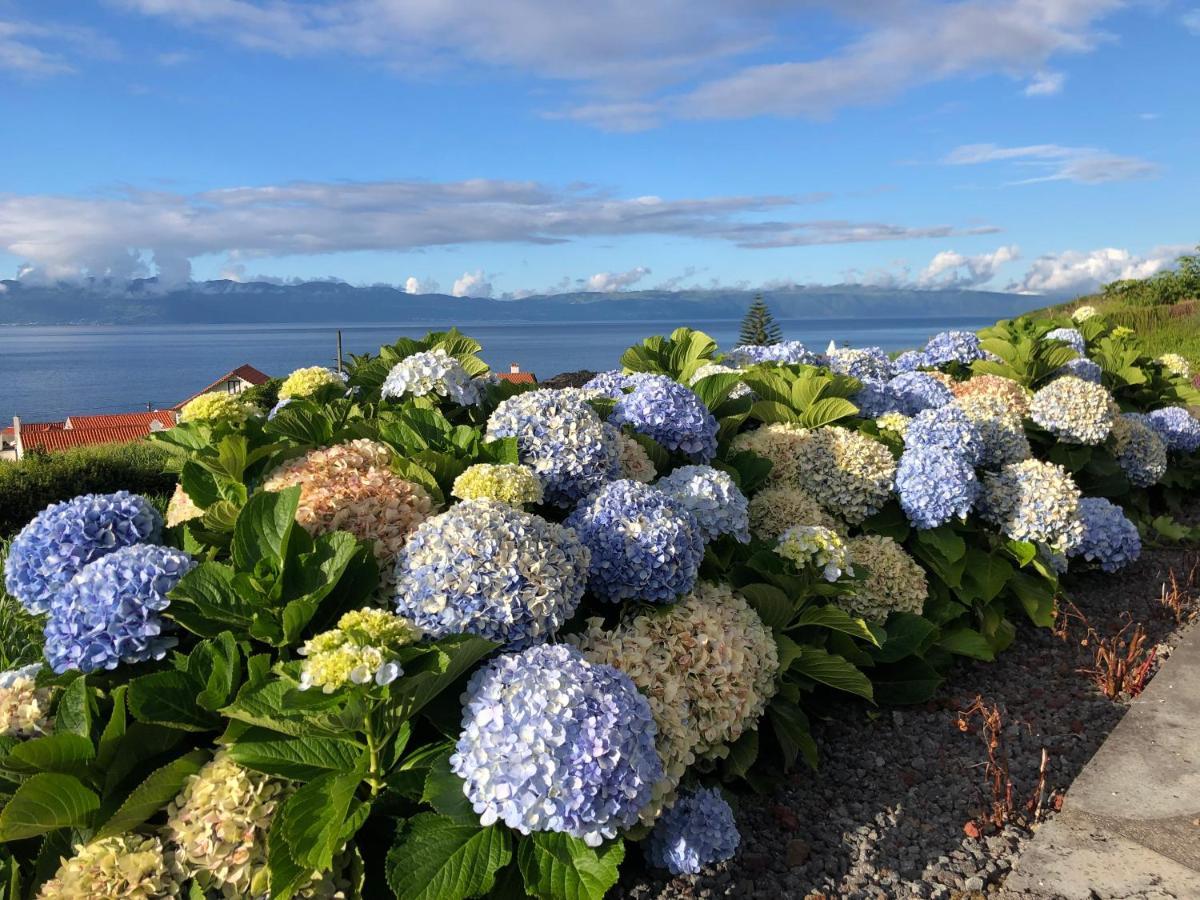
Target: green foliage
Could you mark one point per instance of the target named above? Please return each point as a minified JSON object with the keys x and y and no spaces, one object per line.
{"x":759,"y":326}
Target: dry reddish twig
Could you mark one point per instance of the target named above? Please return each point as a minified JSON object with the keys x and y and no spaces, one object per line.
{"x":1003,"y":806}
{"x":1121,"y":662}
{"x":1177,"y":597}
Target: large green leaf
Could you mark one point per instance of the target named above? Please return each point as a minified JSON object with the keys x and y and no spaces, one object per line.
{"x":44,"y":803}
{"x":264,"y":527}
{"x":833,"y":671}
{"x":836,"y":619}
{"x":61,"y":752}
{"x":911,"y":681}
{"x":773,"y":606}
{"x":907,"y":634}
{"x":791,"y":732}
{"x":436,"y":858}
{"x":159,"y":788}
{"x":827,"y":411}
{"x":312,"y":819}
{"x":169,"y":698}
{"x":301,"y":758}
{"x":75,"y":709}
{"x":444,"y":792}
{"x":206,"y":602}
{"x":967,"y":642}
{"x":457,"y":656}
{"x":557,"y":866}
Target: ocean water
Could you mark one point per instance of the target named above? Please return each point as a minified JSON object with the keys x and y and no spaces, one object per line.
{"x":50,"y":372}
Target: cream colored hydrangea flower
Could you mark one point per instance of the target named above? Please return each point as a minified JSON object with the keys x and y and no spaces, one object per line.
{"x":1013,"y":394}
{"x":24,"y":707}
{"x":850,"y":473}
{"x":1176,"y":365}
{"x":635,"y":462}
{"x":894,"y":583}
{"x":893,"y":421}
{"x":351,"y":487}
{"x":124,"y":867}
{"x":707,"y":665}
{"x":306,"y":382}
{"x":216,"y":407}
{"x":1074,"y":410}
{"x":361,"y":650}
{"x":218,"y":826}
{"x":1001,"y":428}
{"x":1083,"y":313}
{"x":778,"y":507}
{"x":181,"y":508}
{"x":511,"y":484}
{"x":778,"y":442}
{"x":822,"y":548}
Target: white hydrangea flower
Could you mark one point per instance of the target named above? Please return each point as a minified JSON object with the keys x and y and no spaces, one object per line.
{"x":433,"y":372}
{"x":813,"y":545}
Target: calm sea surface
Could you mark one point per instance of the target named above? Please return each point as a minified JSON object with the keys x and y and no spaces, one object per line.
{"x":49,"y":372}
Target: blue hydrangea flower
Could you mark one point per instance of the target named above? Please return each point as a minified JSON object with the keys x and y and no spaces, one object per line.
{"x":109,"y":613}
{"x":946,"y":428}
{"x":671,"y":414}
{"x":562,"y":439}
{"x":487,"y":568}
{"x":431,"y":372}
{"x":1083,"y":368}
{"x":935,"y":486}
{"x":1109,"y":538}
{"x":283,"y":401}
{"x":615,"y":383}
{"x":953,"y":347}
{"x":712,"y":498}
{"x":1069,"y":336}
{"x":785,"y":353}
{"x":644,"y":544}
{"x":1177,"y":427}
{"x":863,"y":364}
{"x":910,"y":361}
{"x":65,"y":537}
{"x":551,"y":742}
{"x":914,"y":392}
{"x":697,"y":831}
{"x":874,"y":399}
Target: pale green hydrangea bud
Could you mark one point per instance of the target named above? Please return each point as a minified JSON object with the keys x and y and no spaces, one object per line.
{"x":306,"y":382}
{"x":361,"y":650}
{"x":123,"y":867}
{"x":511,"y":484}
{"x":817,"y":546}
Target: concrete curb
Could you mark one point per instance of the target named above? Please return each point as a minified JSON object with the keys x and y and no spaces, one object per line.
{"x":1130,"y":824}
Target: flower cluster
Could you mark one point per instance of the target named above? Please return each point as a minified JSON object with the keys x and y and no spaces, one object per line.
{"x":1012,"y":393}
{"x":1074,"y":410}
{"x":712,"y":498}
{"x":1068,"y":336}
{"x":816,"y":546}
{"x":671,"y":414}
{"x":1176,"y":365}
{"x":181,"y":509}
{"x":360,"y":650}
{"x":1000,"y":429}
{"x":1140,"y":452}
{"x":486,"y":568}
{"x":1083,"y":368}
{"x":216,"y":407}
{"x":511,"y":484}
{"x":946,"y":429}
{"x":777,"y":507}
{"x":351,"y":487}
{"x":909,"y":361}
{"x":562,"y":439}
{"x":783,"y":353}
{"x":431,"y":372}
{"x":953,"y":347}
{"x":893,"y":421}
{"x":551,"y":742}
{"x":643,"y":544}
{"x":613,"y":383}
{"x":122,"y":867}
{"x":935,"y":486}
{"x":65,"y":537}
{"x":1177,"y":428}
{"x":867,"y":363}
{"x":850,"y":473}
{"x":1109,"y":538}
{"x":779,"y":443}
{"x":635,"y":461}
{"x":1083,"y":313}
{"x":1033,"y":501}
{"x":218,"y":825}
{"x":707,"y":666}
{"x":24,"y":707}
{"x":109,"y":613}
{"x":307,"y":381}
{"x":697,"y":831}
{"x":914,"y":392}
{"x":873,"y":399}
{"x":894,"y":581}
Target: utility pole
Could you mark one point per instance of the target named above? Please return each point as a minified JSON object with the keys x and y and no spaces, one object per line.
{"x":339,"y":351}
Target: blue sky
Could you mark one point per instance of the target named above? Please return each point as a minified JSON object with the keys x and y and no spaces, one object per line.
{"x":535,"y":145}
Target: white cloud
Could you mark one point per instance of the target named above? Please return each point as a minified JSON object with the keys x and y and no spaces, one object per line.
{"x":1083,"y":165}
{"x":950,"y":269}
{"x":47,"y":48}
{"x":1080,"y":271}
{"x":132,"y":232}
{"x":616,"y":281}
{"x":1191,"y":21}
{"x":1045,"y":84}
{"x":413,"y":285}
{"x":472,"y":284}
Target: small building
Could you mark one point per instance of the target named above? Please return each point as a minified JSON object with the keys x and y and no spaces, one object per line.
{"x":234,"y":381}
{"x":81,"y":431}
{"x":514,"y":375}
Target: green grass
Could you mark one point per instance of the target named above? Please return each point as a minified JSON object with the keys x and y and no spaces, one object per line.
{"x":1165,"y":328}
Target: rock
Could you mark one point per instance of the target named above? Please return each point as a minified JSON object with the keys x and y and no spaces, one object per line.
{"x":798,"y":852}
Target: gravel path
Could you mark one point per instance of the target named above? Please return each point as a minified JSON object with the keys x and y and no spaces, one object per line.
{"x":888,"y":814}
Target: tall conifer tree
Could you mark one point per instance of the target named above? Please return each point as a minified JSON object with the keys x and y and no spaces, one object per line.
{"x":759,"y":326}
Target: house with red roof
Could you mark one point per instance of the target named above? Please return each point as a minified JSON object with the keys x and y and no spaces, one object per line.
{"x":232,"y":382}
{"x":514,"y":375}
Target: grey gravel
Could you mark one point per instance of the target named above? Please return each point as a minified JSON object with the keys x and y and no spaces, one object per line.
{"x":885,"y":816}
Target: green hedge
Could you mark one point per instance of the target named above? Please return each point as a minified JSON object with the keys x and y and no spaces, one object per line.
{"x":29,"y":486}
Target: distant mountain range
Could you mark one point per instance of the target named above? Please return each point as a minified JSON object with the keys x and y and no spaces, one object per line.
{"x":144,"y":302}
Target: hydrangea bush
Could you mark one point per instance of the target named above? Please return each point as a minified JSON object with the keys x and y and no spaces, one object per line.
{"x":441,"y":635}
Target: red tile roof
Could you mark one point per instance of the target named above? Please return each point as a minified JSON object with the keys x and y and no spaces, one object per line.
{"x":66,"y":438}
{"x":244,"y":371}
{"x":165,"y":417}
{"x":31,"y":427}
{"x":517,"y":377}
